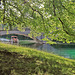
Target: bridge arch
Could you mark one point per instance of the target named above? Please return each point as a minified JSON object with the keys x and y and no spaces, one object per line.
{"x":18,"y":33}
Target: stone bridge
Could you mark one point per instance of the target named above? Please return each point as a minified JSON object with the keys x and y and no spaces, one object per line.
{"x":2,"y":32}
{"x":14,"y":32}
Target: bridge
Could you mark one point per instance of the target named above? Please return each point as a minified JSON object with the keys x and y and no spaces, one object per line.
{"x":14,"y":32}
{"x":2,"y":32}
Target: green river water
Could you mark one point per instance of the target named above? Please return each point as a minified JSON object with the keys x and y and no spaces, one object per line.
{"x":67,"y":51}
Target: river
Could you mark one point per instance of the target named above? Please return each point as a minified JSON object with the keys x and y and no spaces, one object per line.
{"x":67,"y":51}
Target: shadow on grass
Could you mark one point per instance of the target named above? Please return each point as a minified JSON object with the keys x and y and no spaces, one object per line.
{"x":16,"y":64}
{"x":12,"y":63}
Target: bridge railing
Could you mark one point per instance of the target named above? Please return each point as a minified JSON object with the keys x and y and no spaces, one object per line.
{"x":13,"y":32}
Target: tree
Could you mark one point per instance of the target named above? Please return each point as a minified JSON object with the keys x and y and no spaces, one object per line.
{"x":54,"y":18}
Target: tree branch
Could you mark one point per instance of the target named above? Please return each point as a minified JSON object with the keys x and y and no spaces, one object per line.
{"x":0,"y":2}
{"x":32,"y":13}
{"x":54,"y":8}
{"x":4,"y":11}
{"x":67,"y":9}
{"x":17,"y":9}
{"x":65,"y":28}
{"x":37,"y":11}
{"x":40,"y":15}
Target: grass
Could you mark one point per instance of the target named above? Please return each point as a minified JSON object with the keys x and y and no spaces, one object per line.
{"x":25,"y":42}
{"x":15,"y":60}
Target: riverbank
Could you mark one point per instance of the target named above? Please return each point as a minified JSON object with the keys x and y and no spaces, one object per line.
{"x":15,"y":60}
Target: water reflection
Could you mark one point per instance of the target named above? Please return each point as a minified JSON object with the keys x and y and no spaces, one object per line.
{"x":67,"y":51}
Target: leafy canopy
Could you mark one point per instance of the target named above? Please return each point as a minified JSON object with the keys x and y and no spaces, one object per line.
{"x":54,"y":18}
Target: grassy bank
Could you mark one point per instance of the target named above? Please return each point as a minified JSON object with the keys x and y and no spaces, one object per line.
{"x":15,"y":60}
{"x":25,"y":42}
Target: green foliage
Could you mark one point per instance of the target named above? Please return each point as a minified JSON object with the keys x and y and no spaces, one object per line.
{"x":15,"y":60}
{"x":54,"y":18}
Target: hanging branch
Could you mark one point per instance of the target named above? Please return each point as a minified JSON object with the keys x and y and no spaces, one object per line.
{"x":40,"y":15}
{"x":37,"y":11}
{"x":0,"y":2}
{"x":17,"y":9}
{"x":54,"y":8}
{"x":32,"y":13}
{"x":67,"y":9}
{"x":4,"y":11}
{"x":67,"y":29}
